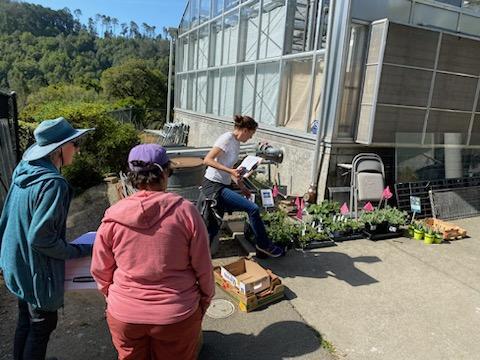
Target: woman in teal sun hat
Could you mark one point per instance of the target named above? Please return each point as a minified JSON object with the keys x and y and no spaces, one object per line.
{"x":33,"y":248}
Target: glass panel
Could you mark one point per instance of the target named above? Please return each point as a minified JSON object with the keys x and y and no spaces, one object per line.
{"x":297,"y":36}
{"x":194,"y":12}
{"x":182,"y":92}
{"x":469,"y":24}
{"x":203,"y":47}
{"x":392,"y":120}
{"x":192,"y":50}
{"x":230,"y":4}
{"x":411,"y":46}
{"x":376,"y":42}
{"x":459,"y":55}
{"x":273,"y":28}
{"x":204,"y":10}
{"x":442,"y":122}
{"x":248,"y":32}
{"x":230,"y":39}
{"x":418,"y":163}
{"x":317,"y":91}
{"x":191,"y":103}
{"x":182,"y":54}
{"x":213,"y":92}
{"x":426,"y":15}
{"x":394,"y":10}
{"x":227,"y":88}
{"x":454,"y":92}
{"x":245,"y":90}
{"x":215,"y":42}
{"x":369,"y":86}
{"x":353,"y":80}
{"x":266,"y":97}
{"x":404,"y":86}
{"x":202,"y":92}
{"x":295,"y":93}
{"x":217,"y":7}
{"x":475,"y":138}
{"x":471,"y":5}
{"x":322,"y":38}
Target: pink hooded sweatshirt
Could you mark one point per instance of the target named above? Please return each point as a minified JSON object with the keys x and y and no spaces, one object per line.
{"x":151,"y":259}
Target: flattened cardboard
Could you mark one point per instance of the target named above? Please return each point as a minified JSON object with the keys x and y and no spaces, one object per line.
{"x":247,"y":276}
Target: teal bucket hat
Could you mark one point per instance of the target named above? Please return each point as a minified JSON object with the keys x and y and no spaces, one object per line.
{"x":51,"y":135}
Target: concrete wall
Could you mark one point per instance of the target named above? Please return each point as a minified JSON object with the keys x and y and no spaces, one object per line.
{"x":295,"y":170}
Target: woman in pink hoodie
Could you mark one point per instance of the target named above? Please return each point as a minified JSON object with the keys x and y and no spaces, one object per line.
{"x":151,"y":260}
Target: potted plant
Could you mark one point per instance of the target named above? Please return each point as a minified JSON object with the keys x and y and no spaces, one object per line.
{"x":337,"y":228}
{"x":438,"y":236}
{"x":418,"y":231}
{"x":410,"y":230}
{"x":310,"y":236}
{"x":429,"y":236}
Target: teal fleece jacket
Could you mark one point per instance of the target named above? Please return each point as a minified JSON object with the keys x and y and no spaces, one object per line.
{"x":32,"y":235}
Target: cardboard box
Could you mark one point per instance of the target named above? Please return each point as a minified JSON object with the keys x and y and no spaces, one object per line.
{"x":247,"y":276}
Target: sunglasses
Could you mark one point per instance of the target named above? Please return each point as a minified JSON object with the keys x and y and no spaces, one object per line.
{"x":77,"y":143}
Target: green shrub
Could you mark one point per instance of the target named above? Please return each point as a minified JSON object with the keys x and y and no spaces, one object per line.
{"x":103,"y":151}
{"x":25,"y":134}
{"x":83,"y":173}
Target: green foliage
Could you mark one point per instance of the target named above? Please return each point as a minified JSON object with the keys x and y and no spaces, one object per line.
{"x":134,"y":81}
{"x":25,"y":134}
{"x":83,"y":173}
{"x":35,"y":19}
{"x":393,"y":216}
{"x":103,"y":151}
{"x":323,"y":209}
{"x":279,"y":229}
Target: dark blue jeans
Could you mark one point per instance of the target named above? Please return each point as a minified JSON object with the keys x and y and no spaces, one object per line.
{"x":33,"y":332}
{"x":230,"y":201}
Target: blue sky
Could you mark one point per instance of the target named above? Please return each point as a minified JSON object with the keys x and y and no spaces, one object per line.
{"x":157,"y":13}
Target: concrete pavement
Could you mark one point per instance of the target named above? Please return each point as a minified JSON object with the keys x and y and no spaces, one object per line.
{"x":391,"y":299}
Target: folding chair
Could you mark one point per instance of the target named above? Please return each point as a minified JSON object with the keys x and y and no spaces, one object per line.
{"x":367,"y":180}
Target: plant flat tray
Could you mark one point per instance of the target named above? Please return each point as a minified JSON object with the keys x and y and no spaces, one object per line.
{"x":382,"y":236}
{"x":347,"y":238}
{"x":319,"y":244}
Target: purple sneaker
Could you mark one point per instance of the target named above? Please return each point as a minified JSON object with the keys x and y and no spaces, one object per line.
{"x":273,"y":251}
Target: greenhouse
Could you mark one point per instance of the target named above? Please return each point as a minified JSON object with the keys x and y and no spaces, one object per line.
{"x":327,"y":80}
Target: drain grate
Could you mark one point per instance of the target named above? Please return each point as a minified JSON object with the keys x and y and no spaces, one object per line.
{"x":220,"y":309}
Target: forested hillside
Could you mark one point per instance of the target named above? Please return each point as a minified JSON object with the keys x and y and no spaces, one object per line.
{"x":41,"y":47}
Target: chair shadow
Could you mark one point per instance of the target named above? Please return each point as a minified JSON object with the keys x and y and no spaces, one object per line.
{"x":322,"y":265}
{"x":284,"y":339}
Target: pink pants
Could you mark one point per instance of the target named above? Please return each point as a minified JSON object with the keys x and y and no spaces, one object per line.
{"x":154,"y":342}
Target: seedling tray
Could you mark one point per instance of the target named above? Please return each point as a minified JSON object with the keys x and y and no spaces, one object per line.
{"x":382,"y":236}
{"x":347,"y":238}
{"x":319,"y":244}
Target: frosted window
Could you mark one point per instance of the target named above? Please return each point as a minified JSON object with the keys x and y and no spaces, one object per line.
{"x":249,"y":19}
{"x":245,"y":90}
{"x":202,"y":92}
{"x":203,"y":47}
{"x":266,"y":97}
{"x":230,"y":39}
{"x":215,"y":42}
{"x":227,"y":88}
{"x":273,"y":28}
{"x":213,"y":92}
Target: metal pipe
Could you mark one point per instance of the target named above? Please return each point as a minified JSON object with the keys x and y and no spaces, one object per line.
{"x":320,"y":114}
{"x":338,"y":17}
{"x":170,"y":69}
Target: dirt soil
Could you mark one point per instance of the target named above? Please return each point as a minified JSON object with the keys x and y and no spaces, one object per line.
{"x":82,"y":332}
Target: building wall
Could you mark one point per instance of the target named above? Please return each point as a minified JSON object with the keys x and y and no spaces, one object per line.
{"x":294,"y":172}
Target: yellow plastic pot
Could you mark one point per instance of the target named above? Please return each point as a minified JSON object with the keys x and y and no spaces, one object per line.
{"x":418,"y":234}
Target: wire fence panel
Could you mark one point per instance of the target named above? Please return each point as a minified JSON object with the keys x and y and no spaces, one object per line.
{"x":449,"y":204}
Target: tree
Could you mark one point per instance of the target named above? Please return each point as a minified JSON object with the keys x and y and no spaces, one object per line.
{"x":115,"y":24}
{"x":124,"y":31}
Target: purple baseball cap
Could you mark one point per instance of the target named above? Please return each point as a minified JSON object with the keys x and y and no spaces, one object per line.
{"x":149,"y":154}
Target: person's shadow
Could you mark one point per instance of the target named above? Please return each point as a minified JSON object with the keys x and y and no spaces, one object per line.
{"x":322,"y":265}
{"x":284,"y":339}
